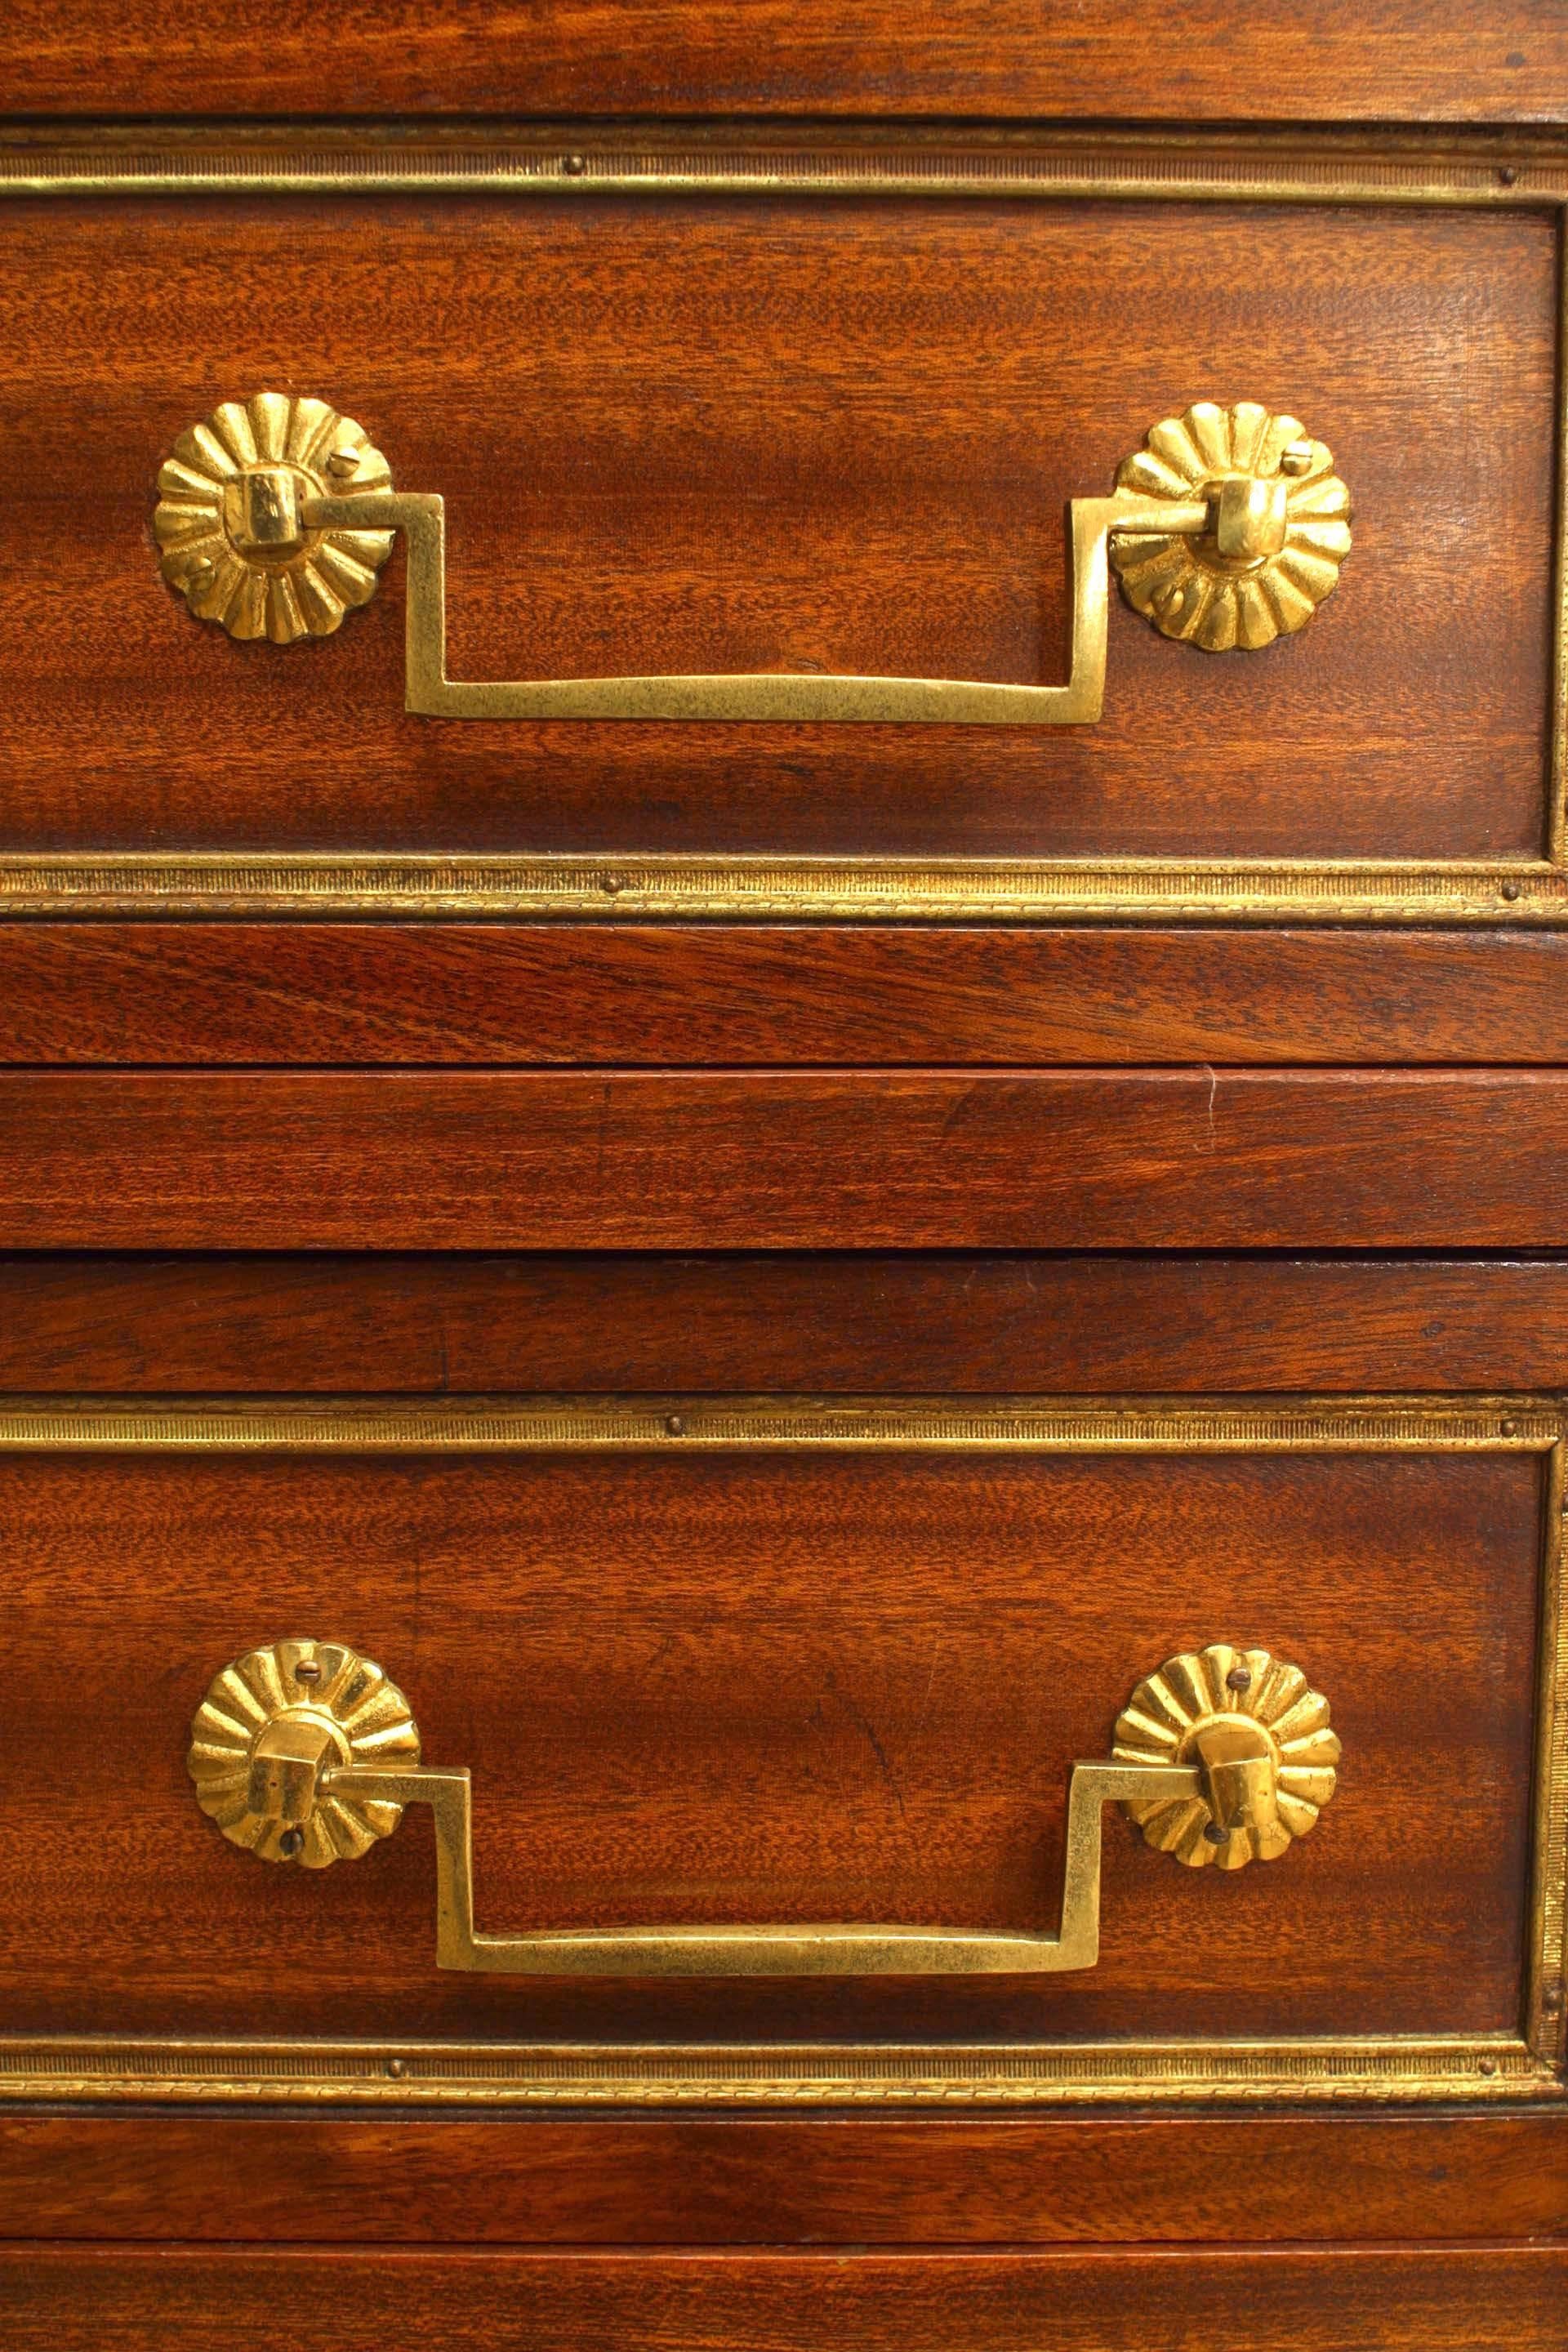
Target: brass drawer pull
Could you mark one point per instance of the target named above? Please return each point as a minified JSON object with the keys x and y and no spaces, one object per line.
{"x":1228,"y":529}
{"x":304,"y":1752}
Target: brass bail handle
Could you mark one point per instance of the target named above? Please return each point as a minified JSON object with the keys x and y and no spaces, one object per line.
{"x":1228,"y":529}
{"x":303,"y":1752}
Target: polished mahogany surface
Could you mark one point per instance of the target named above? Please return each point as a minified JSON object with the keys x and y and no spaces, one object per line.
{"x":782,"y":1160}
{"x":1281,"y":2299}
{"x":674,"y":995}
{"x":946,"y":1324}
{"x":1313,"y":61}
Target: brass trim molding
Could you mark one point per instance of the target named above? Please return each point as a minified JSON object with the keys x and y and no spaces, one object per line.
{"x":643,"y":889}
{"x":721,"y":2074}
{"x":1502,"y":170}
{"x":1526,"y":2064}
{"x":1528,"y":172}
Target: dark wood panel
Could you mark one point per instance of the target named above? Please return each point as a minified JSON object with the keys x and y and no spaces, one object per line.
{"x":689,"y":994}
{"x":754,"y":433}
{"x":894,"y":1325}
{"x":743,"y":1685}
{"x":329,"y":2180}
{"x":1441,"y":61}
{"x":1315,"y":2299}
{"x":448,"y":1159}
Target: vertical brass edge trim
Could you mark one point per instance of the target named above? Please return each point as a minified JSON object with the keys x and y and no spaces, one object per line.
{"x":1557,"y":741}
{"x":1548,"y":1968}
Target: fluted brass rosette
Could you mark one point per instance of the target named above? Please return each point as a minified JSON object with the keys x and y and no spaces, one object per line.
{"x":1278,"y":531}
{"x":1259,"y":1737}
{"x":272,"y":1724}
{"x":228,"y":519}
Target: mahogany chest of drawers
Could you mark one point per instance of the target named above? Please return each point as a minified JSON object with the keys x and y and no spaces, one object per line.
{"x":783,"y":1005}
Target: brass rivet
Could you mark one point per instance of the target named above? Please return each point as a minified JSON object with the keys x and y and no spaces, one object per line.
{"x":1510,"y":1429}
{"x":1239,"y":1679}
{"x":1507,"y":176}
{"x":1551,"y":1999}
{"x":612,"y":883}
{"x":396,"y":2069}
{"x":576,"y":166}
{"x":1510,"y":890}
{"x":1215,"y":1833}
{"x":290,"y":1841}
{"x":675,"y":1426}
{"x":1488,"y":2067}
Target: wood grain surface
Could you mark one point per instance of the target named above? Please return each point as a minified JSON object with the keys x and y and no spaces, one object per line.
{"x":1324,"y":60}
{"x":689,"y":994}
{"x":742,"y":1684}
{"x":782,"y":1160}
{"x":758,"y":433}
{"x":1286,"y":2299}
{"x":864,"y":1324}
{"x":772,"y":2180}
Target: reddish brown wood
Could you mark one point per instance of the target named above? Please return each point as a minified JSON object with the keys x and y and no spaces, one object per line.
{"x":750,"y":1685}
{"x":1319,"y":2299}
{"x":776,"y":1160}
{"x":897,"y":1325}
{"x":752,"y":433}
{"x":738,"y":2181}
{"x":689,"y":994}
{"x":1327,"y":59}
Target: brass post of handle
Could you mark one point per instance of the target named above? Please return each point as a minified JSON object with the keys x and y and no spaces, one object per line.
{"x":1228,"y":529}
{"x":304,"y":1752}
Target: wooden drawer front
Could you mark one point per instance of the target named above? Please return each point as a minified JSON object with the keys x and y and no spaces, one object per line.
{"x":1290,"y":2299}
{"x":694,"y":412}
{"x":782,"y":1160}
{"x":1444,"y":61}
{"x":740,"y":1663}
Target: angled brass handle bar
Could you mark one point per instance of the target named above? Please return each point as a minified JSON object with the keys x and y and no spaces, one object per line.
{"x":304,"y":1752}
{"x":764,"y":694}
{"x":834,"y":1951}
{"x":276,"y":515}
